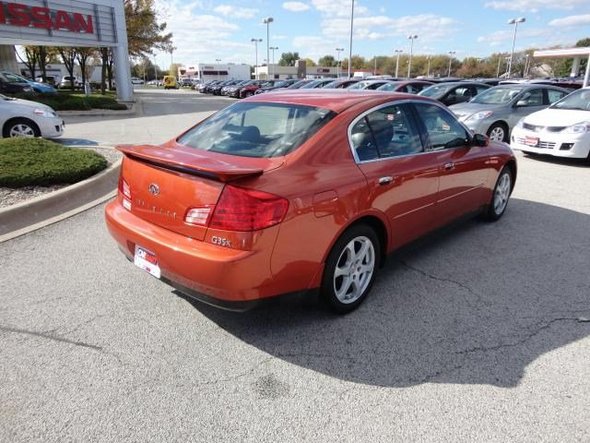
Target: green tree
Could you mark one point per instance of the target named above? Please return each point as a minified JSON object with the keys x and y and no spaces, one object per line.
{"x":68,"y":58}
{"x":288,"y":58}
{"x":144,"y":33}
{"x":309,"y":62}
{"x":328,"y":61}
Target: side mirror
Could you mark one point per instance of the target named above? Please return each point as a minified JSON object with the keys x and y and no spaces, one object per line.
{"x":522,"y":103}
{"x":480,"y":140}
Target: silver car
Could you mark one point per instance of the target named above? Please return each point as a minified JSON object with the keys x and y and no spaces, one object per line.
{"x":24,"y":118}
{"x":496,"y":111}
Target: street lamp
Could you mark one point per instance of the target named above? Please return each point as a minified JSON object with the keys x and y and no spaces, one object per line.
{"x":451,"y":54}
{"x":350,"y":44}
{"x":515,"y":22}
{"x":273,"y":49}
{"x":397,"y":52}
{"x":267,"y":21}
{"x":217,"y":60}
{"x":411,"y":38}
{"x":338,"y":51}
{"x":526,"y":65}
{"x":428,"y":69}
{"x":256,"y":41}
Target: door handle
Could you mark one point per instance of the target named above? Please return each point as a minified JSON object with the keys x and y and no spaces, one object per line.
{"x":386,"y":180}
{"x":449,"y":166}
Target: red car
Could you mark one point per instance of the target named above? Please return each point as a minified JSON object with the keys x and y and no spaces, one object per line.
{"x":301,"y":190}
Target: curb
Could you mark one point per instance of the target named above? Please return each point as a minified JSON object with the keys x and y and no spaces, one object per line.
{"x":101,"y":112}
{"x":45,"y":210}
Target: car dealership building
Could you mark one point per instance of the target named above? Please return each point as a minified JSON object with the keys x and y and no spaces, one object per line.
{"x":95,"y":24}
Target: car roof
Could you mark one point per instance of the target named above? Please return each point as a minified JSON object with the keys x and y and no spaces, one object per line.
{"x":336,"y":100}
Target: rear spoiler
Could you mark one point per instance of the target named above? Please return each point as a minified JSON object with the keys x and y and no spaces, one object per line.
{"x":188,"y":162}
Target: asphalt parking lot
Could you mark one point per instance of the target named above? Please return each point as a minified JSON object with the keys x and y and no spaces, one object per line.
{"x":480,"y":332}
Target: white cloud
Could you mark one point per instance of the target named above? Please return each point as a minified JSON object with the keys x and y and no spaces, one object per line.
{"x":338,"y":8}
{"x":235,"y":12}
{"x":295,"y":6}
{"x":534,"y":5}
{"x":572,"y":20}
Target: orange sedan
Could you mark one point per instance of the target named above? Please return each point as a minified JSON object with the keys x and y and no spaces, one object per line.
{"x":301,"y":190}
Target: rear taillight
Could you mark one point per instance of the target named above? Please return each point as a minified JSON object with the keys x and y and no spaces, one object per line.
{"x":240,"y":209}
{"x":125,"y":191}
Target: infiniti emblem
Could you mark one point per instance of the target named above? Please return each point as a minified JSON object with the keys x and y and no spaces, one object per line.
{"x":154,"y":189}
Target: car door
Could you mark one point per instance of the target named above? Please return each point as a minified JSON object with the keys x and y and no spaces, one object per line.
{"x":462,"y":167}
{"x":531,"y":100}
{"x":402,"y":178}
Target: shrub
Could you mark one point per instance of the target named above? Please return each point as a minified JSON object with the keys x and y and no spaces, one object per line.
{"x":64,"y":101}
{"x":39,"y":162}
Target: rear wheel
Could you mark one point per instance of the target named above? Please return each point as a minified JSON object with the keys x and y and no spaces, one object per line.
{"x":502,"y":190}
{"x":21,"y":127}
{"x":498,"y":132}
{"x":351,"y":268}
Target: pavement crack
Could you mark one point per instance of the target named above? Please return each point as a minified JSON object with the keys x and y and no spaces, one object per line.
{"x":441,"y":279}
{"x":50,"y":337}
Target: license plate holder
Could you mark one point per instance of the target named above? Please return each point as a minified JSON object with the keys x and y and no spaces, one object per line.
{"x":531,"y":141}
{"x":146,"y":260}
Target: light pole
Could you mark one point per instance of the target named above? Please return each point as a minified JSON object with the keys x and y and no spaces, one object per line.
{"x":411,"y":38}
{"x":338,"y":51}
{"x":428,"y":69}
{"x":397,"y":52}
{"x":451,"y":54}
{"x":217,"y":60}
{"x":267,"y":21}
{"x":375,"y":65}
{"x":350,"y":44}
{"x":273,"y":49}
{"x":515,"y":22}
{"x":526,"y":65}
{"x":256,"y":41}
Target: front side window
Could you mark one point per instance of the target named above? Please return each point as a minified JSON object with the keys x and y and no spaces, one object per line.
{"x":444,"y":131}
{"x":553,"y":95}
{"x":257,"y":129}
{"x":534,"y":97}
{"x":384,"y":133}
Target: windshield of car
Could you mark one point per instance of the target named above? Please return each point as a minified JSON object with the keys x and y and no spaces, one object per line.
{"x":389,"y":86}
{"x":13,"y":78}
{"x":578,"y":100}
{"x":436,"y":90}
{"x":496,"y":96}
{"x":257,"y":129}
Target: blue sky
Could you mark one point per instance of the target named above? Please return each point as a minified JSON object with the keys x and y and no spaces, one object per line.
{"x":208,"y":30}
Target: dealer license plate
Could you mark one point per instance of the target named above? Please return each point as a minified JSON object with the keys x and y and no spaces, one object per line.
{"x":531,"y":141}
{"x":147,"y":261}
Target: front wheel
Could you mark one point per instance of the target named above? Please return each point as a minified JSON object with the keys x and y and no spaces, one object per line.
{"x":502,"y":190}
{"x":350,"y":269}
{"x":21,"y":127}
{"x":498,"y":132}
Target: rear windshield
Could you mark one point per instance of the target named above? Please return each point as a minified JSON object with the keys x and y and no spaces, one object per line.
{"x":257,"y":129}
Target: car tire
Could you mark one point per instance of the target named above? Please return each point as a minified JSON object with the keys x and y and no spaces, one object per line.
{"x":248,"y":94}
{"x":498,"y":132}
{"x":500,"y":196}
{"x":350,"y":269}
{"x":21,"y":127}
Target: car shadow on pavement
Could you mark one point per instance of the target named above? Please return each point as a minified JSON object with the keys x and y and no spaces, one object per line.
{"x":474,"y":303}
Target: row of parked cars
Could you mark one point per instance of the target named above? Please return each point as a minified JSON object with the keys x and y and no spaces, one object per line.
{"x":487,"y":106}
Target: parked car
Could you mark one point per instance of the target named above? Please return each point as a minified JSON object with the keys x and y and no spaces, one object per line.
{"x":136,"y":81}
{"x":67,"y":81}
{"x":301,"y":190}
{"x":40,"y":88}
{"x":409,"y":86}
{"x":13,"y":84}
{"x":318,"y":83}
{"x":454,"y":92}
{"x":561,"y":130}
{"x":341,"y":83}
{"x":24,"y":118}
{"x":250,"y":89}
{"x":279,"y":84}
{"x":496,"y":111}
{"x":368,"y":85}
{"x":300,"y":83}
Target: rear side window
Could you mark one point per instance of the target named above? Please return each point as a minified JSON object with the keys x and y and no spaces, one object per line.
{"x":553,"y":95}
{"x":384,"y":133}
{"x":257,"y":129}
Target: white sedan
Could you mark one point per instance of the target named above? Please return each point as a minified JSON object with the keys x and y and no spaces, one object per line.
{"x":24,"y":118}
{"x":562,"y":130}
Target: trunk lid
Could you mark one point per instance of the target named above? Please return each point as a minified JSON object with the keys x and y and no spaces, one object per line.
{"x":166,"y":181}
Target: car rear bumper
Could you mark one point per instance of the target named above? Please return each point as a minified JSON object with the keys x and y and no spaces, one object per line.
{"x":214,"y":274}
